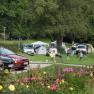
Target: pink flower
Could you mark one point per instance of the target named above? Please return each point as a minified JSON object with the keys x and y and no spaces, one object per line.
{"x":53,"y":87}
{"x":68,"y":69}
{"x":65,"y":70}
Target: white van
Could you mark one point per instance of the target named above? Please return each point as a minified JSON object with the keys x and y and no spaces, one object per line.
{"x":27,"y":48}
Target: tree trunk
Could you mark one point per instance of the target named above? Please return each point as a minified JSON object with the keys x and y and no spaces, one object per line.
{"x":59,"y":43}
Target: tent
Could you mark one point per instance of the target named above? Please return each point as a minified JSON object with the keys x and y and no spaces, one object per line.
{"x":41,"y":50}
{"x":40,"y":43}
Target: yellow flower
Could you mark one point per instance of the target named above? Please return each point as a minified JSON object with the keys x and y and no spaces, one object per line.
{"x":6,"y":71}
{"x":11,"y":87}
{"x":48,"y":87}
{"x":27,"y":86}
{"x":44,"y":72}
{"x":91,"y":74}
{"x":88,"y":67}
{"x":71,"y":88}
{"x":62,"y":81}
{"x":1,"y":87}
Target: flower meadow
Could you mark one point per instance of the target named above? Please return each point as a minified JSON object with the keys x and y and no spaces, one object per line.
{"x":53,"y":80}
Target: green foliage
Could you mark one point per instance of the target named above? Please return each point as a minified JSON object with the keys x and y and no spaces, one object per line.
{"x":57,"y":18}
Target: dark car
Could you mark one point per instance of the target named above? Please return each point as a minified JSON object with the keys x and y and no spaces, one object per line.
{"x":6,"y":63}
{"x":19,"y":61}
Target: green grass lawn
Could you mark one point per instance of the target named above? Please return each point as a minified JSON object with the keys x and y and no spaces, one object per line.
{"x":87,"y":59}
{"x":41,"y":58}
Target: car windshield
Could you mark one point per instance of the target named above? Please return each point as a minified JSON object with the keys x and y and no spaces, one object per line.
{"x":6,"y":51}
{"x":28,"y":46}
{"x":81,"y":46}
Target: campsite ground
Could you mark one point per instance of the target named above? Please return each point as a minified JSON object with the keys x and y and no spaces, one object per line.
{"x":13,"y":45}
{"x":87,"y":60}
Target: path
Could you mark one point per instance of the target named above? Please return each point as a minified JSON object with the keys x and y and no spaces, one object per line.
{"x":36,"y":64}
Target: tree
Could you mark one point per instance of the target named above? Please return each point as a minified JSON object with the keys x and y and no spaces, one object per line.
{"x":59,"y":17}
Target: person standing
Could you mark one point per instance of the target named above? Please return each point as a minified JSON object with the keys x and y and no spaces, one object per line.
{"x":81,"y":55}
{"x":52,"y":55}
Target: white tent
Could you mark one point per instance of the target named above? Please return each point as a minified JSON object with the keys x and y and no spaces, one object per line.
{"x":40,"y":43}
{"x":41,"y":50}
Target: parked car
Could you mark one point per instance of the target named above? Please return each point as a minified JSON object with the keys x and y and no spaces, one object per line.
{"x":6,"y":62}
{"x":27,"y":48}
{"x":81,"y":48}
{"x":19,"y":61}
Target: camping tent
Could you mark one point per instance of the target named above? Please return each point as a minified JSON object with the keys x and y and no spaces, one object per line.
{"x":40,"y":43}
{"x":41,"y":50}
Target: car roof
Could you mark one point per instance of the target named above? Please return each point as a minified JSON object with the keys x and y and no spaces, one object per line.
{"x":81,"y":45}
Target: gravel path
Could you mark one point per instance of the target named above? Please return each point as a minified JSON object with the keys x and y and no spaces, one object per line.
{"x":42,"y":65}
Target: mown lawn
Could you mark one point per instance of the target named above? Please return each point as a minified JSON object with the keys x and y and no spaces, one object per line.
{"x":41,"y":58}
{"x":87,"y":59}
